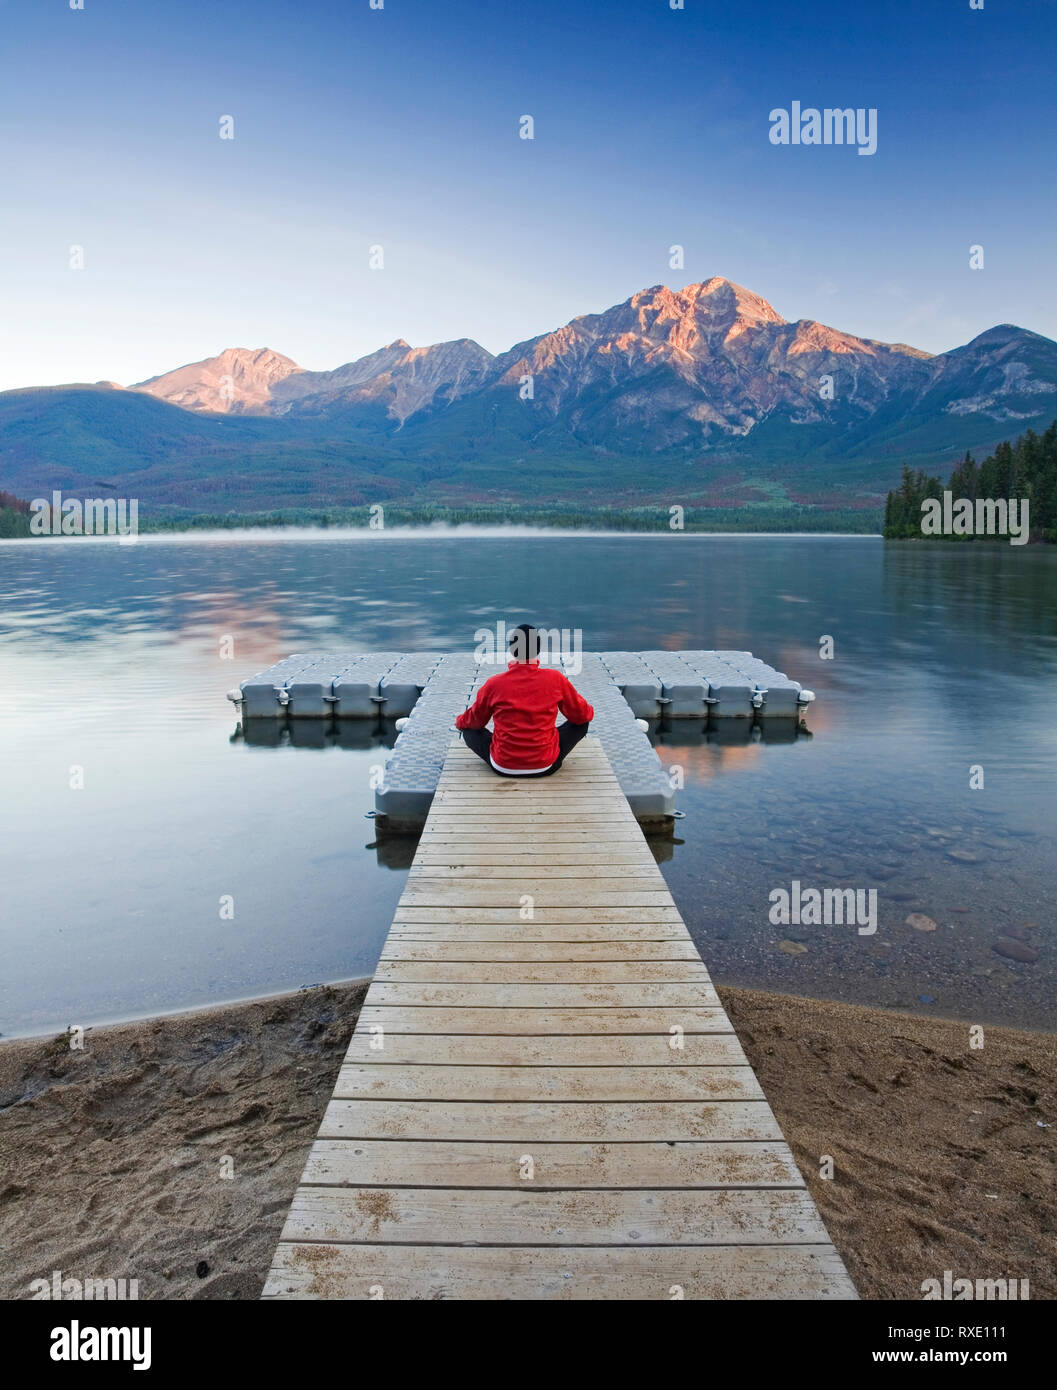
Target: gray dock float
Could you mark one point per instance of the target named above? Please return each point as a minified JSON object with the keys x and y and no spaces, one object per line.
{"x":430,"y":688}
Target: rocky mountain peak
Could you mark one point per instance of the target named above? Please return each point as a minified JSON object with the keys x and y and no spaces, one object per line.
{"x":237,"y":380}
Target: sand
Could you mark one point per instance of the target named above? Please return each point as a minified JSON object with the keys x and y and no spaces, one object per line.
{"x":939,"y":1159}
{"x":111,"y":1159}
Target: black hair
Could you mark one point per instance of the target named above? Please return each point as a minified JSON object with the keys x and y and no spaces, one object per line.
{"x":524,"y":642}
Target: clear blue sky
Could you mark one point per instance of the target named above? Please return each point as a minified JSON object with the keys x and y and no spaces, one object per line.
{"x":355,"y":126}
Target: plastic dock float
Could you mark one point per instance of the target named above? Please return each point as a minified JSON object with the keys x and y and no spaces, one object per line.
{"x":431,"y":688}
{"x":655,"y":684}
{"x":543,"y":1097}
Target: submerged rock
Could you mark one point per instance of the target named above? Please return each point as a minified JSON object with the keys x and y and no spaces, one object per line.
{"x":797,"y":934}
{"x":1015,"y":950}
{"x":920,"y":922}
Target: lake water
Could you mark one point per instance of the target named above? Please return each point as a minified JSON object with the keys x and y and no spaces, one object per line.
{"x":945,"y":657}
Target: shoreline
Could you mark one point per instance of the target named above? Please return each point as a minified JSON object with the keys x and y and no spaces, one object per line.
{"x":168,"y":1149}
{"x":216,"y":1006}
{"x":49,"y":1035}
{"x":456,"y":530}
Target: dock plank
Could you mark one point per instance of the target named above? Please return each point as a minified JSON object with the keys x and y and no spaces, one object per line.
{"x":538,"y":931}
{"x":541,"y":972}
{"x":621,"y":867}
{"x":476,"y":1163}
{"x":520,"y":1272}
{"x":470,"y":994}
{"x":548,"y":1050}
{"x":436,"y":1081}
{"x":543,"y":1022}
{"x":523,"y":1122}
{"x":489,"y":1216}
{"x":397,"y":949}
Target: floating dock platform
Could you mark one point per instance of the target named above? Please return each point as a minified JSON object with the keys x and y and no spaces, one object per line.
{"x":543,"y":1098}
{"x":431,"y":688}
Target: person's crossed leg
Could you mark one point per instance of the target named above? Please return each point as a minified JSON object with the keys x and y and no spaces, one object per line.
{"x":479,"y":741}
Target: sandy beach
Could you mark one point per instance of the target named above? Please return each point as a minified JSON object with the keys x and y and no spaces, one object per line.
{"x":940,"y":1158}
{"x":113,"y":1160}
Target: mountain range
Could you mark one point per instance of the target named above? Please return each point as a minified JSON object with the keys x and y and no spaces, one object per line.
{"x":704,"y":394}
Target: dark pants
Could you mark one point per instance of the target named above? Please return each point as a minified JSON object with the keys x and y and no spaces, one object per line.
{"x":569,"y":735}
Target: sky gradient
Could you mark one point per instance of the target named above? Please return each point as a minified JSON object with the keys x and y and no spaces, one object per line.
{"x":355,"y":127}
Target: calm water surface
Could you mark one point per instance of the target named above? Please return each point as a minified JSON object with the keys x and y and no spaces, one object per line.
{"x":111,"y":662}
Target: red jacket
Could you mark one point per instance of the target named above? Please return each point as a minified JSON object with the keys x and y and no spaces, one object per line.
{"x":523,"y":703}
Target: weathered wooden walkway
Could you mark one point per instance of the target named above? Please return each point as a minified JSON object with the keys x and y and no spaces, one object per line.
{"x":543,"y":1098}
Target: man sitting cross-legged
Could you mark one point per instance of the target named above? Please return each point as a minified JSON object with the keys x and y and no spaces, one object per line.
{"x":523,"y":704}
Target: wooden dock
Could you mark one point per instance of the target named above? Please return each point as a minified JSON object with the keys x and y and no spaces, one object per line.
{"x":543,"y":1097}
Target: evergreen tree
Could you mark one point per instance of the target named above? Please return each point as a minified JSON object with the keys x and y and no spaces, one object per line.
{"x":1024,"y":470}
